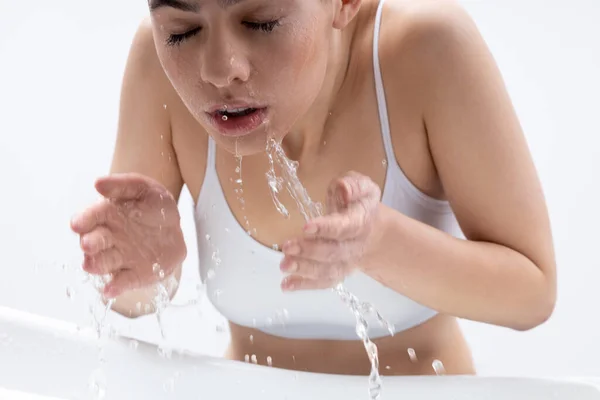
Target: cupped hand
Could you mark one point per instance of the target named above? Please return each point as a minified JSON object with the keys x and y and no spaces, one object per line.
{"x":132,"y":234}
{"x":333,"y":245}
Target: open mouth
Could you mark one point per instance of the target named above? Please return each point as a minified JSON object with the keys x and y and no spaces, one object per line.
{"x":236,"y":121}
{"x":237,"y":112}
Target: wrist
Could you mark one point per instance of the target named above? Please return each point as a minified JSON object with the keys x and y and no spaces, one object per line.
{"x":375,"y":243}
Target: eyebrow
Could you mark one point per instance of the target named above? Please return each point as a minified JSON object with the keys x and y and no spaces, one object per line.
{"x":186,"y":6}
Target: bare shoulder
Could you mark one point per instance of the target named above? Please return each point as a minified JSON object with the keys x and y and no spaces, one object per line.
{"x":143,"y":59}
{"x":421,"y":19}
{"x":143,"y":117}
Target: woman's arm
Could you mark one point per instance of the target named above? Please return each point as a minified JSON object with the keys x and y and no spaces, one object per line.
{"x":504,"y":274}
{"x":144,"y":142}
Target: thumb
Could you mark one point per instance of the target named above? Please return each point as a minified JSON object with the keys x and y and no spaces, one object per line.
{"x":124,"y":186}
{"x":340,"y":194}
{"x":123,"y":281}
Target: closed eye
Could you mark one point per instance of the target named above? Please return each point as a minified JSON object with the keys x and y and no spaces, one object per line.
{"x":175,"y":39}
{"x":262,"y":26}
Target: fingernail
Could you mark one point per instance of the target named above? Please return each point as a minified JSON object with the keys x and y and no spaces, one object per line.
{"x":291,"y":249}
{"x":287,"y":285}
{"x":289,"y":266}
{"x":348,"y":189}
{"x":75,"y":221}
{"x":310,"y":229}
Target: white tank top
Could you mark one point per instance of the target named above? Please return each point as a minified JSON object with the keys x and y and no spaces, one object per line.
{"x":243,"y":278}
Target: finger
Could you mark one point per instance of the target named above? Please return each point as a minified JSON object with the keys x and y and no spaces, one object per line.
{"x":350,"y":188}
{"x":294,"y":283}
{"x":311,"y":269}
{"x":122,"y":281}
{"x":104,"y":262}
{"x":357,"y":186}
{"x":99,"y":239}
{"x":125,"y":186}
{"x":96,"y":214}
{"x":341,"y":226}
{"x":320,"y":249}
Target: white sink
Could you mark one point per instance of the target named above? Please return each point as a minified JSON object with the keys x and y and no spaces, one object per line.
{"x":44,"y":359}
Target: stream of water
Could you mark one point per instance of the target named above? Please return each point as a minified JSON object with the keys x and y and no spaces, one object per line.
{"x":309,"y":211}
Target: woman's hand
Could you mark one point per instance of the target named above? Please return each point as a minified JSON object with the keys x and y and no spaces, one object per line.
{"x":334,"y":245}
{"x":133,"y":233}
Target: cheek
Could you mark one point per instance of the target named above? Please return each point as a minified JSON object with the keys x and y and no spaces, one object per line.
{"x":297,"y":67}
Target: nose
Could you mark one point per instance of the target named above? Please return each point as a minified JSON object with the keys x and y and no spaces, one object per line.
{"x":223,"y":63}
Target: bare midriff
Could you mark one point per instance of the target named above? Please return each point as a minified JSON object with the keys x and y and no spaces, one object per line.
{"x":439,"y":338}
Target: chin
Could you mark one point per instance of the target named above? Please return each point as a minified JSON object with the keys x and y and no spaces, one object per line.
{"x":245,"y":145}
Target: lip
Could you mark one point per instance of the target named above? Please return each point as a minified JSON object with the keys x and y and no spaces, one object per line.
{"x":232,"y":106}
{"x":237,"y":126}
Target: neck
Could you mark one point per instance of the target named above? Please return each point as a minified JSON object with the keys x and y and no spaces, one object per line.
{"x":308,"y":135}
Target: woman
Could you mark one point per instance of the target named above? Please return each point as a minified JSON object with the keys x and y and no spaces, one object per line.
{"x":402,"y":126}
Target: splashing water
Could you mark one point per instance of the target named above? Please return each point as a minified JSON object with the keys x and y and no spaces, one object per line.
{"x":162,"y":299}
{"x":309,"y":211}
{"x":412,"y":354}
{"x":240,"y":190}
{"x":438,"y":367}
{"x":97,"y":384}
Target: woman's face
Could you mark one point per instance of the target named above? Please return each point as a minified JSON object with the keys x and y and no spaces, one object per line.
{"x":246,"y":69}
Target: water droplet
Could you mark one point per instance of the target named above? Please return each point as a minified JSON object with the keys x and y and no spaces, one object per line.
{"x":247,"y":358}
{"x":155,"y":268}
{"x":388,"y":367}
{"x":165,"y":106}
{"x":169,"y":385}
{"x":251,"y":339}
{"x":134,"y":344}
{"x":207,"y":237}
{"x":269,"y":361}
{"x":438,"y":367}
{"x":384,"y":162}
{"x":216,"y":259}
{"x":210,"y":274}
{"x":97,"y":384}
{"x":161,"y":274}
{"x":253,"y":359}
{"x":164,"y":352}
{"x":224,"y":118}
{"x":276,"y":247}
{"x":5,"y":340}
{"x":412,"y":354}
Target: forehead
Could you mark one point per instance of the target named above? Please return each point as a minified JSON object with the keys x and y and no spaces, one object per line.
{"x":189,"y":5}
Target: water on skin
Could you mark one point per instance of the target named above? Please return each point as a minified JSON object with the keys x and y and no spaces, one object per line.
{"x":309,"y":211}
{"x":438,"y":367}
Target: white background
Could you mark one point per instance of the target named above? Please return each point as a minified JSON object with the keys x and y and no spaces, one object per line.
{"x":61,"y":64}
